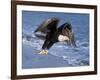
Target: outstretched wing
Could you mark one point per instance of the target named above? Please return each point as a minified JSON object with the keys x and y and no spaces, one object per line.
{"x":46,"y":26}
{"x":66,"y":30}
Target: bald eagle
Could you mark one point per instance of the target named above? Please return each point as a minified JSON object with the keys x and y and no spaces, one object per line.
{"x":51,"y":34}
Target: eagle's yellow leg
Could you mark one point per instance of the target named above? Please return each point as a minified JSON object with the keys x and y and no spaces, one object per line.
{"x":44,"y":52}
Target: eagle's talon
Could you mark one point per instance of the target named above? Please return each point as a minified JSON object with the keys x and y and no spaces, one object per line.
{"x":43,"y":52}
{"x":46,"y":52}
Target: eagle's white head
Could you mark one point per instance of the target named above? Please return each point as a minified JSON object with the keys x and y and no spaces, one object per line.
{"x":62,"y":38}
